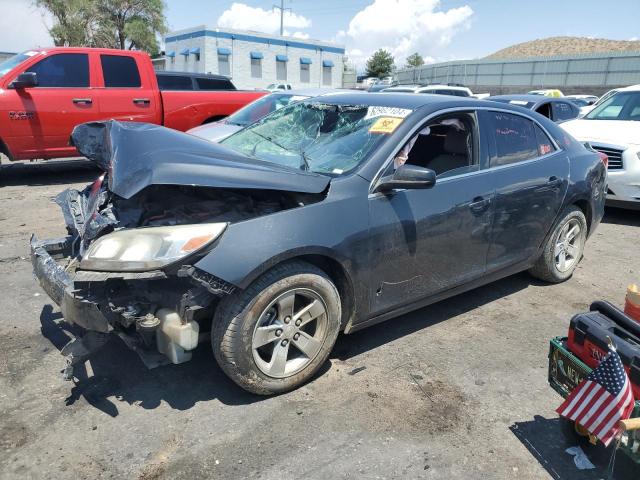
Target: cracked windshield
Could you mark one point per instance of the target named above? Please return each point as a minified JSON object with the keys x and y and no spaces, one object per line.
{"x":318,"y":137}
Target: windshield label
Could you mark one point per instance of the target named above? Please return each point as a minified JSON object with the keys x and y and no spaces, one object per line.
{"x":374,"y":111}
{"x":385,"y":125}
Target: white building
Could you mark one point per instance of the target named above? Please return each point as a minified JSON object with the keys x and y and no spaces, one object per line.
{"x":253,"y":59}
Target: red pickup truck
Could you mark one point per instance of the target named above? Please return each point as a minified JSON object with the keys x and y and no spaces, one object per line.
{"x":44,"y":93}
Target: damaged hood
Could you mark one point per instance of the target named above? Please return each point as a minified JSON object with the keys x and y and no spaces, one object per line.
{"x":136,"y":155}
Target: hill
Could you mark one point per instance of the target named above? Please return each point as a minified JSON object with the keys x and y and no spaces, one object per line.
{"x":547,"y":47}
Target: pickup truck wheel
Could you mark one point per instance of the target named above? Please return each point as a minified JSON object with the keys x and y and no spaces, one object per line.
{"x":563,"y":249}
{"x":273,"y":336}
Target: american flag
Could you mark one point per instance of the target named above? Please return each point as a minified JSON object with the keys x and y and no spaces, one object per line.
{"x":601,"y":400}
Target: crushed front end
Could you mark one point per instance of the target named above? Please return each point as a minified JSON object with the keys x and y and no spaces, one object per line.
{"x":126,"y":266}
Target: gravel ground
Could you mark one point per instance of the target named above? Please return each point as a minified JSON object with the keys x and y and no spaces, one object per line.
{"x":455,"y":390}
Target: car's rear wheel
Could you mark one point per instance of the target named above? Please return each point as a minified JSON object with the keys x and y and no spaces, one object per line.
{"x":563,"y":249}
{"x":273,"y":336}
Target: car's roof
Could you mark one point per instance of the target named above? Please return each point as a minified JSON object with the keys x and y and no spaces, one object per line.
{"x":411,"y":101}
{"x":526,"y":98}
{"x":172,"y":73}
{"x":448,"y":87}
{"x":306,"y":92}
{"x":631,"y":88}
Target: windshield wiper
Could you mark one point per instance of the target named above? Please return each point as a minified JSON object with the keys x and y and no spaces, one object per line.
{"x":269,"y":139}
{"x":305,"y":159}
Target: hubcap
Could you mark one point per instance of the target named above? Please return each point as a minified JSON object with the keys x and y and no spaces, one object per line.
{"x":289,"y":333}
{"x":567,"y":247}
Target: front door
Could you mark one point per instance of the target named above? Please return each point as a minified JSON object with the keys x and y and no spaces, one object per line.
{"x":62,"y":100}
{"x":426,"y":241}
{"x":531,"y":179}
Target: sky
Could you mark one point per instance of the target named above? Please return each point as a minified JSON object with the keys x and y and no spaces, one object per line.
{"x":439,"y":30}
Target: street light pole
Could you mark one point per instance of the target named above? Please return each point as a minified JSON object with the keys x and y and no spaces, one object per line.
{"x":282,"y":9}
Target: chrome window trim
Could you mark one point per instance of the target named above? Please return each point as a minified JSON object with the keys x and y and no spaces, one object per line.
{"x":445,"y":111}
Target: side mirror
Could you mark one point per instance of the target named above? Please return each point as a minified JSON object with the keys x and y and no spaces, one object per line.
{"x":410,"y":177}
{"x":25,"y":80}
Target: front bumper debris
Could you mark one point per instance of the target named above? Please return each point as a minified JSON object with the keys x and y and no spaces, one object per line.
{"x":57,"y":283}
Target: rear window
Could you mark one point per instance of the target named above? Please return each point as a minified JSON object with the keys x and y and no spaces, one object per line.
{"x":214,"y":84}
{"x":174,"y":82}
{"x":120,"y":71}
{"x":515,"y":138}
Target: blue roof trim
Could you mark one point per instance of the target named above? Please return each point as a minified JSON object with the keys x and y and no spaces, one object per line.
{"x":328,"y":63}
{"x":252,"y":38}
{"x":224,"y":51}
{"x":282,"y":58}
{"x":256,"y":55}
{"x":305,"y":61}
{"x":195,"y":51}
{"x":170,"y":54}
{"x":185,"y":52}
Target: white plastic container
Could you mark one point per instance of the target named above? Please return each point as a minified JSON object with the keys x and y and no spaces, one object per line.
{"x":174,"y":338}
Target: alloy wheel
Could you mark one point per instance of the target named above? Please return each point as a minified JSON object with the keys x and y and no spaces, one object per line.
{"x":568,"y":246}
{"x":289,"y":333}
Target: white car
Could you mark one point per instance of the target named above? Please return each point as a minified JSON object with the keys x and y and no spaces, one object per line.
{"x":446,"y":90}
{"x":613,"y":128}
{"x":274,"y":87}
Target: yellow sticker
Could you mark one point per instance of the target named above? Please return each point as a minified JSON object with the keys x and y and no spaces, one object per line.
{"x":385,"y":125}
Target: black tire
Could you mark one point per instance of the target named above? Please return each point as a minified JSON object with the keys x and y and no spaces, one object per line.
{"x":236,"y":317}
{"x":545,"y":267}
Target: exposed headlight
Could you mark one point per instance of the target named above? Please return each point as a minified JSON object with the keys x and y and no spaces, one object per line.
{"x":141,"y":249}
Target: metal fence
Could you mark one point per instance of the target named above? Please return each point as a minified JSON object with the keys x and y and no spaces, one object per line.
{"x":594,"y":72}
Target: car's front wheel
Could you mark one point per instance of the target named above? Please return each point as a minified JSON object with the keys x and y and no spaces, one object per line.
{"x":273,"y":336}
{"x":563,"y":249}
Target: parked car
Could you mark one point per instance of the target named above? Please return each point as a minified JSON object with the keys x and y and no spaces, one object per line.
{"x":607,"y":95}
{"x":550,"y":92}
{"x":455,"y":90}
{"x":589,"y":99}
{"x":330,"y":214}
{"x":402,"y":89}
{"x":556,"y":109}
{"x":44,"y":93}
{"x":613,"y":127}
{"x":274,"y":87}
{"x":192,"y":81}
{"x":216,"y":131}
{"x":381,"y":85}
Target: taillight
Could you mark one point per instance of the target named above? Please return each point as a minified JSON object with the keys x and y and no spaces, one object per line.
{"x":604,"y":158}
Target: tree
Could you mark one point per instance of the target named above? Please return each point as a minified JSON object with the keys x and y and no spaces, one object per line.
{"x":132,"y":24}
{"x":380,"y":64}
{"x":415,"y":60}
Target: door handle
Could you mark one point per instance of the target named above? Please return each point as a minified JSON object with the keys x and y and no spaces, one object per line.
{"x":84,"y":101}
{"x":554,"y":181}
{"x":141,"y":101}
{"x":479,"y":205}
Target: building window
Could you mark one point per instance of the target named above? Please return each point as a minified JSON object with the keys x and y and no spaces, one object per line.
{"x":224,"y":67}
{"x":281,"y":70}
{"x":326,"y":75}
{"x":256,"y":68}
{"x":305,"y":73}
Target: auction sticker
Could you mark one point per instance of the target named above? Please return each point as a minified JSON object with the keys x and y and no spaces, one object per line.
{"x":385,"y":125}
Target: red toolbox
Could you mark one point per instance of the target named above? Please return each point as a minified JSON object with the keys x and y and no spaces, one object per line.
{"x":588,"y":340}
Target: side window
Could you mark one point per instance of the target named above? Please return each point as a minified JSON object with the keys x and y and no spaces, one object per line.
{"x":562,"y":111}
{"x":545,"y":145}
{"x":174,"y":82}
{"x":120,"y":71}
{"x":447,"y":145}
{"x":515,"y":138}
{"x":63,"y":70}
{"x":214,"y":84}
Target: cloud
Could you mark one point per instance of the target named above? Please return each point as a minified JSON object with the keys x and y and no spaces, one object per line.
{"x":23,"y":26}
{"x":403,"y":27}
{"x":243,"y":17}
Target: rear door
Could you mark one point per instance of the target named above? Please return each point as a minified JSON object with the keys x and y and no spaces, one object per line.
{"x":127,"y":92}
{"x":48,"y":112}
{"x":531,"y":176}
